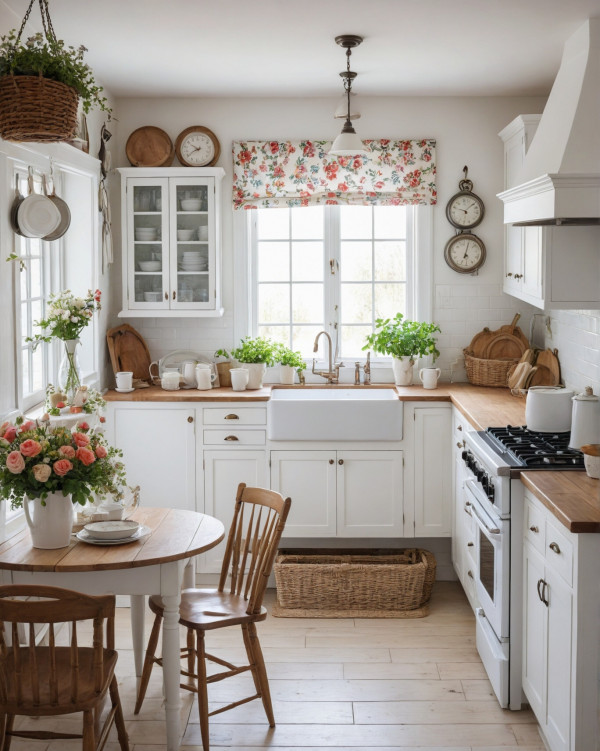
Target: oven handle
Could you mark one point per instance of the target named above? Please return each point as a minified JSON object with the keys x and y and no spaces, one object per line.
{"x":493,"y":532}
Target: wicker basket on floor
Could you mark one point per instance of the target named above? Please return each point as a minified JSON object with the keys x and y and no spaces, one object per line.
{"x":354,"y":583}
{"x":34,"y":108}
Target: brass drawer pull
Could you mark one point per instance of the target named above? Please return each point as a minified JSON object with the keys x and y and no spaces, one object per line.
{"x":554,"y":547}
{"x":340,"y":461}
{"x":534,"y":529}
{"x":190,"y":419}
{"x":232,"y":416}
{"x":231,"y":438}
{"x":331,"y":461}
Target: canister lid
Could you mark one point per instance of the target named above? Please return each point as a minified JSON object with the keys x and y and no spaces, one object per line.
{"x":586,"y":396}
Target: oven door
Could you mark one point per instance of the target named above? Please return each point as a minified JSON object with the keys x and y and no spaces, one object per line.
{"x":492,"y":563}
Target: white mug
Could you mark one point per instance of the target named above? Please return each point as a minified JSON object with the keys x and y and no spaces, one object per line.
{"x":188,"y":371}
{"x":204,"y":377}
{"x":124,"y":379}
{"x":170,"y":380}
{"x":429,"y":377}
{"x":239,"y":378}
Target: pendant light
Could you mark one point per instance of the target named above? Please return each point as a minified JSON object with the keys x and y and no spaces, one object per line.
{"x":348,"y":143}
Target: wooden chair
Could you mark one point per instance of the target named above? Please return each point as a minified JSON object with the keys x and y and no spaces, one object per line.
{"x":258,"y":521}
{"x":47,"y":681}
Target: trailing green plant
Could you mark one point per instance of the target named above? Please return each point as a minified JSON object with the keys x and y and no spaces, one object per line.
{"x":287,"y":356}
{"x":252,"y":350}
{"x":402,"y":338}
{"x":50,"y":58}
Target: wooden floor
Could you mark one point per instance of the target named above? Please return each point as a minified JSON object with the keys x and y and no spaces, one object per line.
{"x":342,"y":684}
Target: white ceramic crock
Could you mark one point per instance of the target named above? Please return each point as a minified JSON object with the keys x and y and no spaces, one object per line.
{"x":585,"y":423}
{"x":548,"y":409}
{"x":403,"y":370}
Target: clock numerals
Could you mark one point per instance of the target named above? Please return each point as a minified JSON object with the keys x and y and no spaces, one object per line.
{"x":465,"y":210}
{"x":465,"y":253}
{"x":197,"y":146}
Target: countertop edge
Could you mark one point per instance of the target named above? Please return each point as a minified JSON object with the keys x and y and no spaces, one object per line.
{"x":565,"y":502}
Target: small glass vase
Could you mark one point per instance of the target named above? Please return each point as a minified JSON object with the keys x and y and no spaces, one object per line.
{"x":69,"y":372}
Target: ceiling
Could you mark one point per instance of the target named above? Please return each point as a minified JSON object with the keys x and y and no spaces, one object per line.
{"x":275,"y":48}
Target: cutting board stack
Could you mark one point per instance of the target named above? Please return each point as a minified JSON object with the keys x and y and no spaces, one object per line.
{"x":492,"y":354}
{"x":535,"y":368}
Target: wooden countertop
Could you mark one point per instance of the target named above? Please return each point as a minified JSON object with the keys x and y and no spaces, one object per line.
{"x":156,"y":394}
{"x":573,"y":497}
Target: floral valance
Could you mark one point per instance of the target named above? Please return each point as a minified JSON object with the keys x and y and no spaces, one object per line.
{"x":270,"y":174}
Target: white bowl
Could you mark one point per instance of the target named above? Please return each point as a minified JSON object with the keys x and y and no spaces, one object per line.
{"x":152,"y":296}
{"x":111,"y":530}
{"x":191,"y":204}
{"x":150,"y":265}
{"x":145,"y":232}
{"x":185,"y":234}
{"x":191,"y":254}
{"x":203,"y":233}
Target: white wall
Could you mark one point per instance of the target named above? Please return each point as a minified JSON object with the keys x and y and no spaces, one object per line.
{"x":466,"y":132}
{"x":576,"y":335}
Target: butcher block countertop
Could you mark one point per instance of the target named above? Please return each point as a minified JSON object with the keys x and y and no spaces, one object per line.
{"x":156,"y":394}
{"x":573,"y":497}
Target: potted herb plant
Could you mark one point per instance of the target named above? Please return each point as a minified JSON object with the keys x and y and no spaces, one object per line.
{"x":41,"y":83}
{"x":290,"y":363}
{"x":254,"y":354}
{"x":223,"y":367}
{"x":405,"y":341}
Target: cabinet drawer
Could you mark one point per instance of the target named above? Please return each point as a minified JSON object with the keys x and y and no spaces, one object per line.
{"x":234,"y":438}
{"x":535,"y":526}
{"x":559,"y":552}
{"x":232,"y":417}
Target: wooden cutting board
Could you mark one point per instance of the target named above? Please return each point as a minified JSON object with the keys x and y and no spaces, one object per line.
{"x":547,"y":361}
{"x":149,"y":146}
{"x":128,"y":351}
{"x":505,"y":347}
{"x":484,"y":346}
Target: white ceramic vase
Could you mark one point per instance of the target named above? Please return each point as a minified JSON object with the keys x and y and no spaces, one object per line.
{"x":287,"y":374}
{"x":51,"y":524}
{"x":256,"y":373}
{"x":403,"y":370}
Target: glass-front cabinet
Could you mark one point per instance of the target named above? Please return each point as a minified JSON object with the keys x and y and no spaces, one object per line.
{"x":172,"y":241}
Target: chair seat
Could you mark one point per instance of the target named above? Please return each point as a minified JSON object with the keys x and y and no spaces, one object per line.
{"x":206,"y":609}
{"x":87,"y":696}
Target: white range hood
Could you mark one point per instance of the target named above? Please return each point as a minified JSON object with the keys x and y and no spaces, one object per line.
{"x":559,"y":182}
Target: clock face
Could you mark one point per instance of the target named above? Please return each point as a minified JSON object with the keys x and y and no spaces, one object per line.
{"x":465,"y":253}
{"x":465,"y":210}
{"x":197,"y":147}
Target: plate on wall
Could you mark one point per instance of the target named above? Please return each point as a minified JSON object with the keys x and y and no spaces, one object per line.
{"x":142,"y":531}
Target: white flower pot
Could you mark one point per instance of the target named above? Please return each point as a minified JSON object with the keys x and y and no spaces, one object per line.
{"x":403,"y":370}
{"x":287,"y":374}
{"x":50,"y":525}
{"x":256,"y":373}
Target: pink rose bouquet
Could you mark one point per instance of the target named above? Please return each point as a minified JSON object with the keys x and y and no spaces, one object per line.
{"x":37,"y":459}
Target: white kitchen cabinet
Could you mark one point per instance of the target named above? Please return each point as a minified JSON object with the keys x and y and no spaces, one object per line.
{"x":341,"y":493}
{"x":159,"y":451}
{"x":433,"y":472}
{"x":548,"y":267}
{"x":171,"y":229}
{"x":561,"y":654}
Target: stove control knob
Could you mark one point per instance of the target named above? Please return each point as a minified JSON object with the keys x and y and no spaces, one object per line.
{"x":464,"y":455}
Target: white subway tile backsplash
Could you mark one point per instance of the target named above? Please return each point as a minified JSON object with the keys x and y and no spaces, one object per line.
{"x":576,"y":335}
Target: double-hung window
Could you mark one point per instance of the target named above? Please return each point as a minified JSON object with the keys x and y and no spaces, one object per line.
{"x":337,"y":268}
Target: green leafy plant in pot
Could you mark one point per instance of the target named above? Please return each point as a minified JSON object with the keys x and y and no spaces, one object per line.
{"x":254,"y":354}
{"x":290,"y":363}
{"x":405,"y":341}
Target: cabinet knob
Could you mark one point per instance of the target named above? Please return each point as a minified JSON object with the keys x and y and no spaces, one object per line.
{"x":331,"y":461}
{"x":232,"y":416}
{"x":470,"y":544}
{"x":174,"y":294}
{"x":190,"y":419}
{"x":340,"y":461}
{"x":231,"y":438}
{"x":460,"y":444}
{"x":509,"y":273}
{"x":166,"y":295}
{"x":518,"y":276}
{"x":554,"y":547}
{"x":459,"y":427}
{"x":470,"y":573}
{"x":534,"y":529}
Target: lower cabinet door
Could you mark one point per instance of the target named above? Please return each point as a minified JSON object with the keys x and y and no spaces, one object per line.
{"x":224,"y":470}
{"x":559,"y":663}
{"x":535,"y":617}
{"x":433,"y":472}
{"x":369,"y":494}
{"x":159,"y":448}
{"x":309,"y":479}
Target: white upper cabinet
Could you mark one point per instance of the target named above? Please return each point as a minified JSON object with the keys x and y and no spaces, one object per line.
{"x":171,"y":234}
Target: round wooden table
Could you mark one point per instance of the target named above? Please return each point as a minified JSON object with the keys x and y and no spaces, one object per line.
{"x":154,"y":564}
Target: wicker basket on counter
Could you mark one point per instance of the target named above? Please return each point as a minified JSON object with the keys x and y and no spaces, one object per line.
{"x":482,"y":372}
{"x":366,"y":584}
{"x":491,"y":354}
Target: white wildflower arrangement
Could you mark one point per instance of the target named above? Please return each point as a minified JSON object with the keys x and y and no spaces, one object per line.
{"x":66,"y":316}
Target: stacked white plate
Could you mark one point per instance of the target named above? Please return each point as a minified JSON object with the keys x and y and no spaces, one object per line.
{"x":145,"y":233}
{"x":193,"y":261}
{"x":112,"y":532}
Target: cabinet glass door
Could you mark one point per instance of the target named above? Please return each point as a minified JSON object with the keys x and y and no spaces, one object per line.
{"x":148,"y":251}
{"x":193,"y":234}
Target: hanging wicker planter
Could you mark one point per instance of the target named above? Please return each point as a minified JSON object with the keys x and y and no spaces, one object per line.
{"x":34,"y":108}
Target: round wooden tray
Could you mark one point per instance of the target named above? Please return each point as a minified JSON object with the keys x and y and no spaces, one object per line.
{"x":149,"y":146}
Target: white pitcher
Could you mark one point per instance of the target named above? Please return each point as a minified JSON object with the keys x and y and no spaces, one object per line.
{"x":50,"y":524}
{"x":429,"y":377}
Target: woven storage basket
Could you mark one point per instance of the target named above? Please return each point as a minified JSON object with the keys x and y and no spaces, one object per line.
{"x":34,"y":108}
{"x":352,"y":582}
{"x":481,"y":372}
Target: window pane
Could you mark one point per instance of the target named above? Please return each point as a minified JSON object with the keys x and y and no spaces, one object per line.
{"x":389,"y":222}
{"x":25,"y":367}
{"x":356,"y":222}
{"x":356,"y":261}
{"x":303,"y":339}
{"x":23,"y":284}
{"x":37,"y":370}
{"x":357,"y":303}
{"x":307,"y":262}
{"x":277,"y":333}
{"x":273,"y":262}
{"x":36,"y":282}
{"x":307,"y":223}
{"x":273,"y":224}
{"x":389,"y":300}
{"x":390,"y":261}
{"x":353,"y":340}
{"x":307,"y":303}
{"x":274,"y":303}
{"x":36,"y":315}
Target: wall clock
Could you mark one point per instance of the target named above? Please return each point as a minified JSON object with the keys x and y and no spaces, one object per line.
{"x":465,"y":253}
{"x":465,"y":210}
{"x":197,"y":146}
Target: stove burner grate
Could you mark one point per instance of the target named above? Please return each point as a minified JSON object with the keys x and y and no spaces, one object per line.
{"x":534,"y":449}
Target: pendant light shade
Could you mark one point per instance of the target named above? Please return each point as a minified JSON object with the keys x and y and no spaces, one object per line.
{"x":348,"y":143}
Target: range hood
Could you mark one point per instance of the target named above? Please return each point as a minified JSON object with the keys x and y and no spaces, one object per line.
{"x":559,"y":182}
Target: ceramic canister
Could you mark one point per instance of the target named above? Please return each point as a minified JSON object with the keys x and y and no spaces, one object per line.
{"x":585,"y":421}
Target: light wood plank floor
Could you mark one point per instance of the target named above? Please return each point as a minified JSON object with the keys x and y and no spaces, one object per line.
{"x":341,"y":685}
